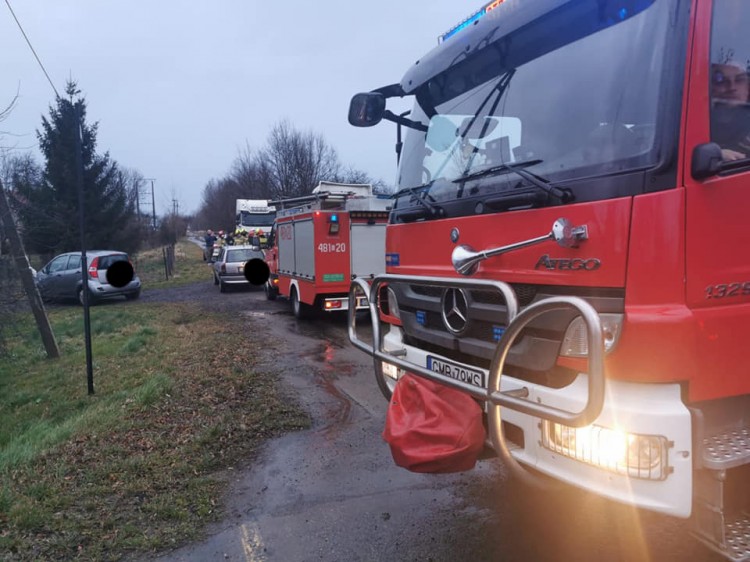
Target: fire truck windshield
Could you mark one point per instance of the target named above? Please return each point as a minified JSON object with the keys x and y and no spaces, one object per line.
{"x":588,"y":107}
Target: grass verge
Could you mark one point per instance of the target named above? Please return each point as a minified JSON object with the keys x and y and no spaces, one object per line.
{"x":189,"y":266}
{"x":138,"y":466}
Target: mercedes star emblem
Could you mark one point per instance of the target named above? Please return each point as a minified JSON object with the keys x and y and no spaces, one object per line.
{"x":455,"y":310}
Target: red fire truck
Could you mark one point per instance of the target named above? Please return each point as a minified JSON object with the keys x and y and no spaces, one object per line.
{"x":570,"y":245}
{"x":320,"y":243}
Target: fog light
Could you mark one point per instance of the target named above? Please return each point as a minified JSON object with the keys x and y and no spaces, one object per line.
{"x":390,"y":370}
{"x":630,"y":454}
{"x":332,"y":304}
{"x":576,"y":341}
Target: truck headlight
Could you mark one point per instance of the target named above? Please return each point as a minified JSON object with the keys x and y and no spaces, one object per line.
{"x":630,"y":454}
{"x":576,"y":341}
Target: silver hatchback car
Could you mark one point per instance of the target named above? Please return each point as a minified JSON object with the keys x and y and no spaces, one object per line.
{"x":61,"y":279}
{"x":229,"y":267}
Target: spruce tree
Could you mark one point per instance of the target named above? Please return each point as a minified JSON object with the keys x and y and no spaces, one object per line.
{"x":50,"y":211}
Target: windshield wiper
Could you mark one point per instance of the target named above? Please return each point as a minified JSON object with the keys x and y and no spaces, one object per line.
{"x":498,"y":90}
{"x":563,"y":195}
{"x":421,"y":198}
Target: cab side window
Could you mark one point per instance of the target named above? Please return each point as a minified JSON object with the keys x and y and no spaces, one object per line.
{"x":730,"y":78}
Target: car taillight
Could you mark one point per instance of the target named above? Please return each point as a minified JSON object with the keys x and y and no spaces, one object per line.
{"x":94,"y":268}
{"x":223,"y":268}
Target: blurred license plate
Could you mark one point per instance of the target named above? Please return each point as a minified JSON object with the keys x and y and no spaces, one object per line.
{"x":458,"y":372}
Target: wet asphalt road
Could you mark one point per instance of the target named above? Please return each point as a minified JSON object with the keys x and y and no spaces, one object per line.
{"x":333,"y":492}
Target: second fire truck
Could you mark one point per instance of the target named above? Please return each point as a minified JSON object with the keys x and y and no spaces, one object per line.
{"x":321,"y":242}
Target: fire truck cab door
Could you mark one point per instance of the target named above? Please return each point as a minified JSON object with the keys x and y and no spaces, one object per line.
{"x":718,"y":208}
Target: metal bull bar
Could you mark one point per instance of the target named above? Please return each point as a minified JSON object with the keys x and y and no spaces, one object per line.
{"x":513,"y":399}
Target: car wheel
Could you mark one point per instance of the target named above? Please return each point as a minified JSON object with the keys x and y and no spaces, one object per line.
{"x":222,"y":287}
{"x":271,"y":292}
{"x":300,"y":309}
{"x":92,"y":300}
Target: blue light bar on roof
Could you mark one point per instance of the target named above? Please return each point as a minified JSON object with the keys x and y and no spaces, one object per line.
{"x":470,"y":20}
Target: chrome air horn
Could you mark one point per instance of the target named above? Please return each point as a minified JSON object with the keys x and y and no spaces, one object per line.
{"x":466,"y":261}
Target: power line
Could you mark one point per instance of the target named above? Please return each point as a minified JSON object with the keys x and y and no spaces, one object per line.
{"x":7,"y":3}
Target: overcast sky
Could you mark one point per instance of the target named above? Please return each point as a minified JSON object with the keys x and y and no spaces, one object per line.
{"x":181,"y":87}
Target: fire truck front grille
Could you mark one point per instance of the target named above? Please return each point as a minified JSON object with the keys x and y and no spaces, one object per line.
{"x":524,"y":293}
{"x":536,"y":349}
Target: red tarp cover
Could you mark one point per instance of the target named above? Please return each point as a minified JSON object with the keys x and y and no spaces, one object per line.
{"x":433,"y":428}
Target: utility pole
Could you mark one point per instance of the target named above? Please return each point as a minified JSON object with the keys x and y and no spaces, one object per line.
{"x":138,"y":200}
{"x":175,"y":215}
{"x":153,"y":201}
{"x":84,"y":261}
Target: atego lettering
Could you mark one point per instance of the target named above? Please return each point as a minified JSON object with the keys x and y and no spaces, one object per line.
{"x":568,"y":264}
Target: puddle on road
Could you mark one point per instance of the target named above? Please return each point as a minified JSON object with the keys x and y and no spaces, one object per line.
{"x":254,"y":314}
{"x":326,"y":373}
{"x":338,"y":415}
{"x":325,"y":354}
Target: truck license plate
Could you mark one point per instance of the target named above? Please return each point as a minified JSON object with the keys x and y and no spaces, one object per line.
{"x":455,"y":371}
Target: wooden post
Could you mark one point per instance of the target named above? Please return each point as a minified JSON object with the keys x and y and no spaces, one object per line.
{"x":24,"y":272}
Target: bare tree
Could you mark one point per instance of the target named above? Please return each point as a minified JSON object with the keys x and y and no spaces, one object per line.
{"x":6,"y":111}
{"x":353,"y":175}
{"x":248,"y":176}
{"x":291,"y":165}
{"x":19,"y":169}
{"x":294,"y":162}
{"x":218,"y":207}
{"x":132,"y":182}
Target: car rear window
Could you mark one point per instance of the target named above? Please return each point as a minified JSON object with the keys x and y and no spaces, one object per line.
{"x":243,"y":255}
{"x":106,"y":261}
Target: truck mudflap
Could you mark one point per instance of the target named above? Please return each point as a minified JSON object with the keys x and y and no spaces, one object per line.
{"x":551,"y":418}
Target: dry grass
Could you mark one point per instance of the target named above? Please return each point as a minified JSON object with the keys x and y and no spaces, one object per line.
{"x":189,"y":266}
{"x":138,"y":466}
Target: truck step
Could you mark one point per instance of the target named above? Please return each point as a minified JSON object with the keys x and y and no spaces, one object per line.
{"x":738,"y":537}
{"x":727,"y":450}
{"x":736,"y":545}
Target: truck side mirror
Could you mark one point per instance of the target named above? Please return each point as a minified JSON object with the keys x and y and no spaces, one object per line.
{"x":366,"y":110}
{"x":706,"y":161}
